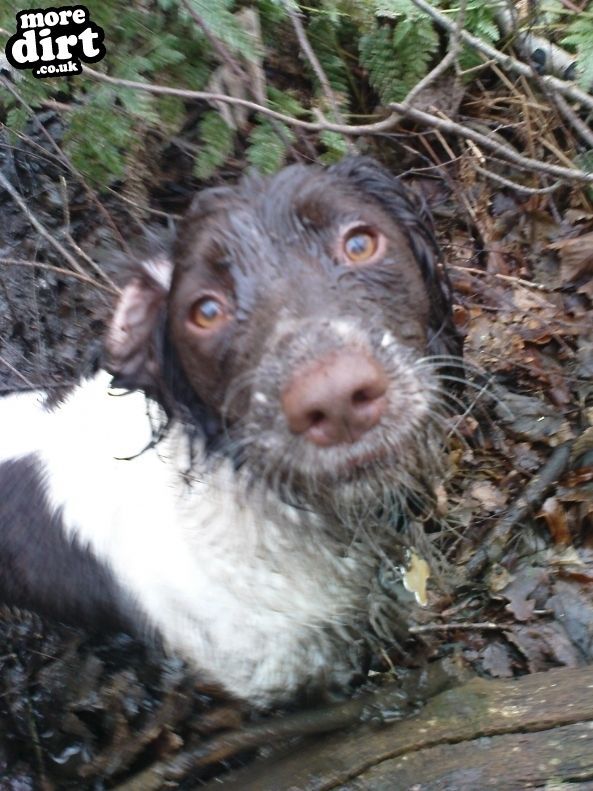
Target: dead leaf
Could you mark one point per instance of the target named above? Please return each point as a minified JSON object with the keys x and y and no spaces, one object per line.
{"x":529,"y":418}
{"x":497,"y":660}
{"x":415,"y":577}
{"x":523,"y":586}
{"x":498,"y":578}
{"x":573,"y":607}
{"x":555,"y":517}
{"x":544,"y":645}
{"x":576,"y":257}
{"x":488,"y":496}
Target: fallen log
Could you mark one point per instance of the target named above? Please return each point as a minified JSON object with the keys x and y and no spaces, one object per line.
{"x":528,"y":732}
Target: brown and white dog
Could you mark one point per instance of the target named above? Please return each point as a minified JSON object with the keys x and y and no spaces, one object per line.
{"x":276,"y":405}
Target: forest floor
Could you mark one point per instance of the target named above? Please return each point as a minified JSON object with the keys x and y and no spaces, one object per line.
{"x":515,"y":504}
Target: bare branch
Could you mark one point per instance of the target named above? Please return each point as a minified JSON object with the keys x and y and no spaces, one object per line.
{"x":41,"y":229}
{"x":384,"y":125}
{"x":309,"y":52}
{"x":59,"y":271}
{"x":63,"y":158}
{"x":77,"y":249}
{"x":518,"y":281}
{"x":448,"y":60}
{"x":222,"y":51}
{"x":446,"y":125}
{"x":518,"y":187}
{"x":482,"y":626}
{"x":579,"y":126}
{"x":564,"y":87}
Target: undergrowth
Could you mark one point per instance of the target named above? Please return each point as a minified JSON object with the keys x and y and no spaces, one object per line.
{"x":372,"y":51}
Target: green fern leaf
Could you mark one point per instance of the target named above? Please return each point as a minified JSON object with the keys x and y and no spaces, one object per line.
{"x":396,"y":59}
{"x":580,"y":39}
{"x":284,"y":102}
{"x":480,"y":20}
{"x":100,"y":156}
{"x":217,"y":141}
{"x":222,"y":24}
{"x":268,"y":145}
{"x":171,"y":111}
{"x":16,"y":121}
{"x":336,"y":147}
{"x":392,"y":9}
{"x":323,"y":35}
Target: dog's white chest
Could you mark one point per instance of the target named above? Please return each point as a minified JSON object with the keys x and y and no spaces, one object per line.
{"x":242,"y":585}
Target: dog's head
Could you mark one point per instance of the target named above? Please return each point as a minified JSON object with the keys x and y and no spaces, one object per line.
{"x":300,"y":322}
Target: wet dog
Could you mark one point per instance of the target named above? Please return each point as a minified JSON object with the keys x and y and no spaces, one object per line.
{"x":271,"y":404}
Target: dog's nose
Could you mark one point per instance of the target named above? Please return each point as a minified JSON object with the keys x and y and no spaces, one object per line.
{"x":336,"y":399}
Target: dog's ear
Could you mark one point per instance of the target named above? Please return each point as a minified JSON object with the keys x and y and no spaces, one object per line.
{"x":132,"y":344}
{"x":413,"y":216}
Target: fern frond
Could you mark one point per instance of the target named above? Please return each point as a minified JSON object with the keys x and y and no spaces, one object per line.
{"x":100,"y":155}
{"x":285,"y":102}
{"x":394,"y":9}
{"x":222,"y":24}
{"x":335,"y":147}
{"x":323,"y":35}
{"x":579,"y":37}
{"x":396,"y":59}
{"x":216,"y":140}
{"x":480,"y":20}
{"x":268,"y":145}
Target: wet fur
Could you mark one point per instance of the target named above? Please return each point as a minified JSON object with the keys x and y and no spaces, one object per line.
{"x":250,"y":551}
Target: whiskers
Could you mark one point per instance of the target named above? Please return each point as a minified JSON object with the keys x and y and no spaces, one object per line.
{"x":371,"y":491}
{"x":467,"y":391}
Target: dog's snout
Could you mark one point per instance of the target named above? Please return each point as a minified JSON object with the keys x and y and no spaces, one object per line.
{"x":336,"y":399}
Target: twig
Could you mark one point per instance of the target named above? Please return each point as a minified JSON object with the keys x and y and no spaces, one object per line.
{"x":73,"y":243}
{"x":564,"y":87}
{"x":507,"y":278}
{"x":303,"y":723}
{"x":447,"y":125}
{"x":143,"y":208}
{"x":580,"y":127}
{"x":217,"y":45}
{"x":518,"y":187}
{"x":309,"y":52}
{"x":447,"y":61}
{"x":41,"y":230}
{"x":63,"y":158}
{"x":484,"y":626}
{"x":58,"y":270}
{"x":384,"y":125}
{"x":493,"y":545}
{"x":439,"y":69}
{"x":507,"y":24}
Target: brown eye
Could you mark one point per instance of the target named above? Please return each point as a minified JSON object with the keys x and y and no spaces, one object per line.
{"x":208,"y":313}
{"x":360,"y":245}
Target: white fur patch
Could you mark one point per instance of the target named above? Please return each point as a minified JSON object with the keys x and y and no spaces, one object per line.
{"x":228,"y":579}
{"x":343,"y":329}
{"x":261,"y":398}
{"x":159,"y":269}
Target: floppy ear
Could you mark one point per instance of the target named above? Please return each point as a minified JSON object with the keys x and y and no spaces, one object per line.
{"x":132,"y":342}
{"x":412,"y":214}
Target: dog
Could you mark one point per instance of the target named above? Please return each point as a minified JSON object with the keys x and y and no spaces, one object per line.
{"x":269,"y":410}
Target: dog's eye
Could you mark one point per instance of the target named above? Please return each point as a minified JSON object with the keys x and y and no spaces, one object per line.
{"x":360,"y":245}
{"x":208,"y":313}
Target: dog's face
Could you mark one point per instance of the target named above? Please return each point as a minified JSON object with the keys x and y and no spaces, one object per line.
{"x":301,"y":311}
